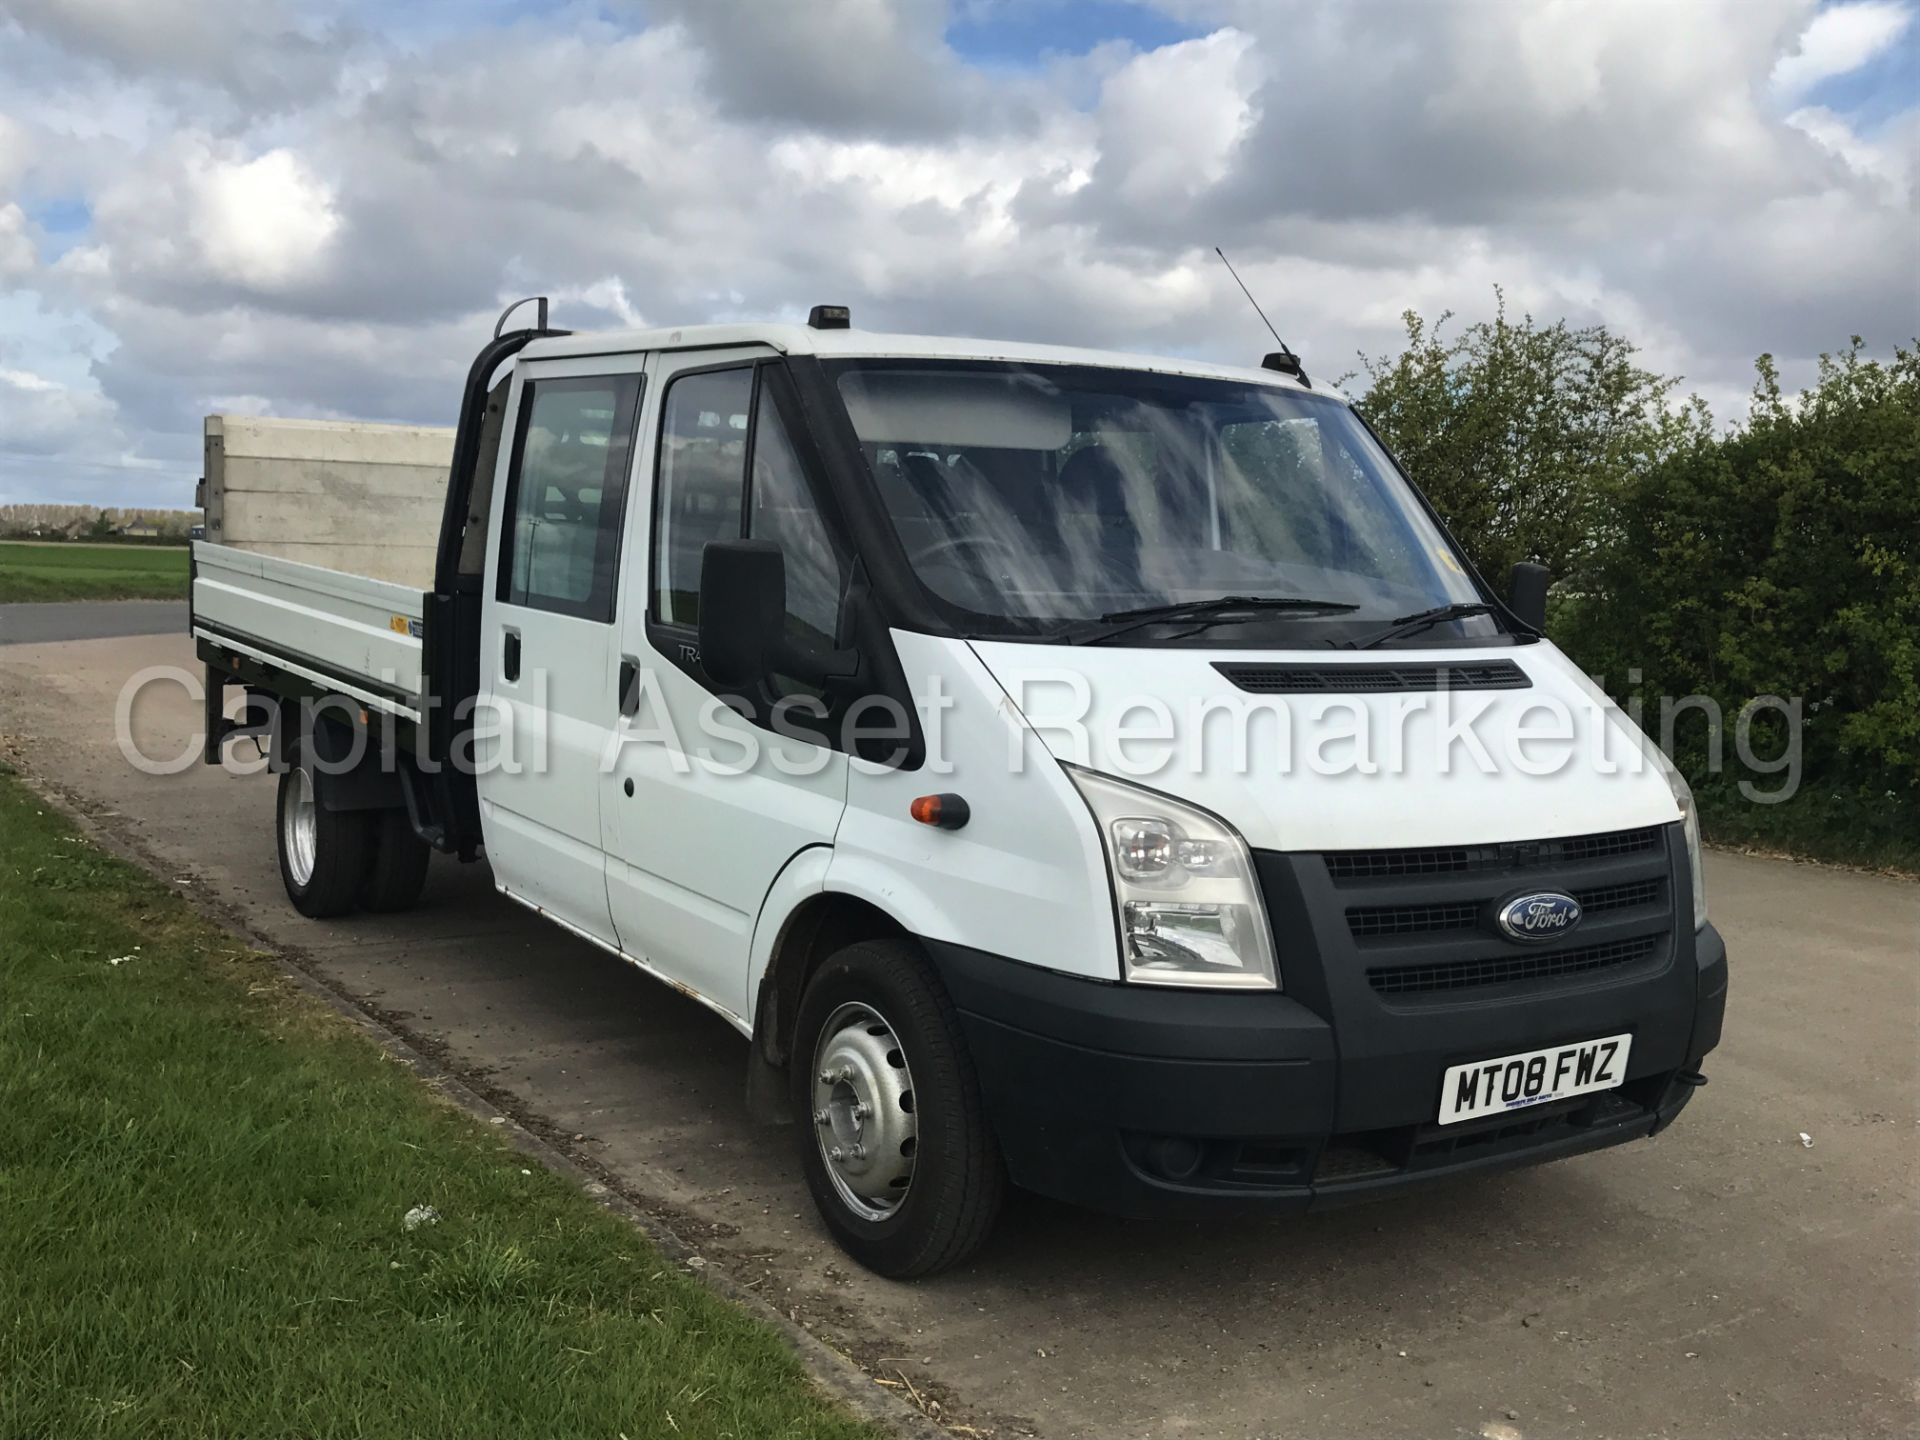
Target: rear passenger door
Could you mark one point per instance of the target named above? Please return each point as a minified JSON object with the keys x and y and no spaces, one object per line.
{"x":548,"y":645}
{"x":695,"y":832}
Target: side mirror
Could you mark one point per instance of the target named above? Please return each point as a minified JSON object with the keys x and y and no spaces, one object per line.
{"x":743,"y":619}
{"x":1527,"y":594}
{"x":743,"y":602}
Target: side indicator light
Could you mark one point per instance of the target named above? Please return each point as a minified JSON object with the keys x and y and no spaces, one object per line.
{"x":945,"y":812}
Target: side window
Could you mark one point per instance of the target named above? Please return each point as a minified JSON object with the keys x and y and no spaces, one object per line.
{"x":566,"y":491}
{"x":783,"y":510}
{"x":701,"y":489}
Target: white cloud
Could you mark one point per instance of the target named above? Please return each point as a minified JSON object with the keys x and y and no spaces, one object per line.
{"x":263,"y":223}
{"x":1172,"y":119}
{"x":17,"y":253}
{"x":326,"y":221}
{"x":41,"y":417}
{"x":1887,"y":162}
{"x":268,"y":53}
{"x":1838,"y":41}
{"x":13,"y":151}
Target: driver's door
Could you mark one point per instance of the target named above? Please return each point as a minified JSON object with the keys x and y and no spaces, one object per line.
{"x":702,"y":809}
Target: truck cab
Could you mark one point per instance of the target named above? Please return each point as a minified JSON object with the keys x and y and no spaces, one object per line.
{"x":1097,"y":773}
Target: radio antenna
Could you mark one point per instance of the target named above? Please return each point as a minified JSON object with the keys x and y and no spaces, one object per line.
{"x":1284,"y":360}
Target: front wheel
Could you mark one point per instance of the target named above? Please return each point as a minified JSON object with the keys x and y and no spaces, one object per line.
{"x":897,"y":1150}
{"x":323,"y":853}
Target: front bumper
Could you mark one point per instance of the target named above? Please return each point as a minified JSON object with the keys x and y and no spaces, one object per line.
{"x":1148,"y":1102}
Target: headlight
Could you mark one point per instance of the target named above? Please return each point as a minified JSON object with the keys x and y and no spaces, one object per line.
{"x":1690,"y":822}
{"x":1189,"y":904}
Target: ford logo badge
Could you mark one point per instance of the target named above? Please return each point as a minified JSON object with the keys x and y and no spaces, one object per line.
{"x":1539,"y":917}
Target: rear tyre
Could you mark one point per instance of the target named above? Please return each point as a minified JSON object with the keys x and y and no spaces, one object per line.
{"x":895,"y":1141}
{"x":396,"y":864}
{"x":323,"y":853}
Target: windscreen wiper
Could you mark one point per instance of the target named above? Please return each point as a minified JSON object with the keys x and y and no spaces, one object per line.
{"x":1208,"y":612}
{"x":1422,"y":620}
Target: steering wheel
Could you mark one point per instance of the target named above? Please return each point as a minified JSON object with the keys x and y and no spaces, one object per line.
{"x":954,"y":544}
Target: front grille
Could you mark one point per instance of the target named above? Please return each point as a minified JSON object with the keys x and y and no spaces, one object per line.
{"x":1375,"y":679}
{"x":1421,"y":923}
{"x":1509,"y":969}
{"x":1350,"y":866}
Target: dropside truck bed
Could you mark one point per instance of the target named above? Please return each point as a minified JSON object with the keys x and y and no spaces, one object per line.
{"x":341,"y":633}
{"x":338,"y":660}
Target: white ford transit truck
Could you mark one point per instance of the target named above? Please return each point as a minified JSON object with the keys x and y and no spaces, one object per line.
{"x":1089,"y":772}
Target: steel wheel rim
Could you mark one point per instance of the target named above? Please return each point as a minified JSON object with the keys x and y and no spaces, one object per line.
{"x":864,"y":1111}
{"x":300,"y":827}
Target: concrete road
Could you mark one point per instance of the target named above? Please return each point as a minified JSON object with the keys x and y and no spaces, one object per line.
{"x":1723,"y":1280}
{"x":90,"y":620}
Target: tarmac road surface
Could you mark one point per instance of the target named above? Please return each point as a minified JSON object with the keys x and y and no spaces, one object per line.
{"x":90,"y":620}
{"x":1726,"y":1279}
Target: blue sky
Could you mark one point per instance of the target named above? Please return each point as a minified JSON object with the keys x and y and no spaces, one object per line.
{"x":316,"y":209}
{"x":1001,"y":32}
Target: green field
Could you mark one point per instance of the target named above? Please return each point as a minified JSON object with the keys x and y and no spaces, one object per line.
{"x":203,"y":1179}
{"x":79,"y":571}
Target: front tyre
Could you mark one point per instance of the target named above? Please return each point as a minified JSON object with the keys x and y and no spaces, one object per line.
{"x":323,"y":853}
{"x":895,"y":1142}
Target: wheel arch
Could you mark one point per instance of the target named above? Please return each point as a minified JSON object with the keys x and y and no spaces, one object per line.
{"x":820,"y":924}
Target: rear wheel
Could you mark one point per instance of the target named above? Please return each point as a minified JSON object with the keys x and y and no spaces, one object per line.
{"x":896,"y":1146}
{"x":396,"y":864}
{"x":323,"y":853}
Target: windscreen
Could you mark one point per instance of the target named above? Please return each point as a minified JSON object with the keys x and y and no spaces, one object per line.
{"x":1045,"y":493}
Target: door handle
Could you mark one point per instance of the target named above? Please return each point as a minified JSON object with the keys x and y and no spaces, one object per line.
{"x":629,"y":686}
{"x":510,"y":655}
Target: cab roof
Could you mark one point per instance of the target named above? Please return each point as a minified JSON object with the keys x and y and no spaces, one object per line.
{"x":788,"y":339}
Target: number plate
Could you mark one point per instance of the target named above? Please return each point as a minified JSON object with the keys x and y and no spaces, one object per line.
{"x":1533,"y":1077}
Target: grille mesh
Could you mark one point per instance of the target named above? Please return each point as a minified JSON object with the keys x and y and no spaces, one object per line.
{"x":1604,"y":847}
{"x":1618,"y":897}
{"x":1387,"y":864}
{"x":1346,"y":866}
{"x":1509,"y":969}
{"x":1375,"y":679}
{"x":1411,"y":919}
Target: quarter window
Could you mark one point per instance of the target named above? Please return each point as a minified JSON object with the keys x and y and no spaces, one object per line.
{"x":783,"y":511}
{"x":566,"y":495}
{"x":701,"y":490}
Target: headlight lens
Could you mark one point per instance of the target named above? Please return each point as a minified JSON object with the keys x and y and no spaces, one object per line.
{"x":1189,"y":904}
{"x":1690,"y":821}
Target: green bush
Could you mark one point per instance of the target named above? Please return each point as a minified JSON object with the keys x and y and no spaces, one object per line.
{"x":1782,"y":558}
{"x":1520,"y":433}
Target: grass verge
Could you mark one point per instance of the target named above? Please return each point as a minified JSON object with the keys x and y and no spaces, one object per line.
{"x":203,"y":1179}
{"x":92,"y":572}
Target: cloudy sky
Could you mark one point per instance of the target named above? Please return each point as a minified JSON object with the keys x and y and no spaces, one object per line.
{"x":317,"y":209}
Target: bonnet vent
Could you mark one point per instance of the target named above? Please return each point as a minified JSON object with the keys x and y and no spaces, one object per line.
{"x":1375,"y":679}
